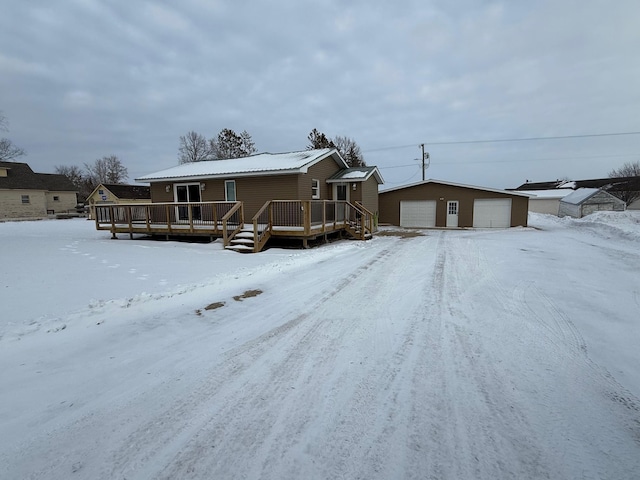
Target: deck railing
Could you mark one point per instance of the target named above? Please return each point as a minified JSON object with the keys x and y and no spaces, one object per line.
{"x":307,"y":218}
{"x":208,"y":218}
{"x":286,"y":218}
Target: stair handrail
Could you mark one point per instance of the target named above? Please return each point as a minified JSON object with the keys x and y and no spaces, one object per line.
{"x":363,"y":218}
{"x":373,"y":227}
{"x":262,"y":217}
{"x":226,"y":236}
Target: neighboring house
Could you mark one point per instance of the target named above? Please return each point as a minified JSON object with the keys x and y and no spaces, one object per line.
{"x":547,"y":201}
{"x":584,"y":201}
{"x":621,"y":187}
{"x":434,"y":203}
{"x":308,"y":175}
{"x":26,"y":194}
{"x":108,"y":193}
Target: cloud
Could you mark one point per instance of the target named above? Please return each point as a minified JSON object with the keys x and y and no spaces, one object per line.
{"x":137,"y":75}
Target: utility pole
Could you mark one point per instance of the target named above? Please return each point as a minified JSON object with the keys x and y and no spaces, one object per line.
{"x":425,"y":156}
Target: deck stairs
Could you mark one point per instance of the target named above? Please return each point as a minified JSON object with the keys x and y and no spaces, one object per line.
{"x":243,"y":241}
{"x":354,"y":229}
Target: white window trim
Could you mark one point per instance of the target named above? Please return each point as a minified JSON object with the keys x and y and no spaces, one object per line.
{"x":235,"y":192}
{"x":316,"y":182}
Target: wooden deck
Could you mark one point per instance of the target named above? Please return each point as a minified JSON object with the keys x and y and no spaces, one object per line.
{"x":304,"y":219}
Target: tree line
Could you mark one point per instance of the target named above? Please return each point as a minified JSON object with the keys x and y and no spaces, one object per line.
{"x":195,"y":147}
{"x":108,"y":169}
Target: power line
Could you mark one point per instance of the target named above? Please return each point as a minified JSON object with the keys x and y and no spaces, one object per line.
{"x":464,"y":162}
{"x":526,"y":139}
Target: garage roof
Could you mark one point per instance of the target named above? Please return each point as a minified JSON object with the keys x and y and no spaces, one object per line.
{"x":451,"y":184}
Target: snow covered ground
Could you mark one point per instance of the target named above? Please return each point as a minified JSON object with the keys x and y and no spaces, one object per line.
{"x":489,"y":354}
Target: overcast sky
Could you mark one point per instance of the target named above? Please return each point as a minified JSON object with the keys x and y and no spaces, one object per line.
{"x":83,"y":79}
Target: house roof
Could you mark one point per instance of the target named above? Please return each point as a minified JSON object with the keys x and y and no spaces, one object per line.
{"x":20,"y":176}
{"x":356,"y":174}
{"x":255,"y":165}
{"x":451,"y":184}
{"x":137,"y":192}
{"x":609,"y":183}
{"x":57,"y":182}
{"x":554,"y":193}
{"x":581,"y":194}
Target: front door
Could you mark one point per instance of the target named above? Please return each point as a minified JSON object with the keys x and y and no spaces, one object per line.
{"x":341,"y":192}
{"x":188,"y":193}
{"x":452,"y":213}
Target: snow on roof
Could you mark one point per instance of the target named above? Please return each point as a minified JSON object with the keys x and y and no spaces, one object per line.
{"x":579,"y":195}
{"x":553,"y":193}
{"x":356,"y":174}
{"x":260,"y":164}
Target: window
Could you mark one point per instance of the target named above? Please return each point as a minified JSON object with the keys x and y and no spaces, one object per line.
{"x":25,"y":199}
{"x":230,"y":190}
{"x":100,"y":192}
{"x":56,"y":198}
{"x":315,"y":189}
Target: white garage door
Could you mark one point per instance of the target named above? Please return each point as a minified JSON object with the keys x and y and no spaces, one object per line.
{"x":418,"y":213}
{"x":492,"y":213}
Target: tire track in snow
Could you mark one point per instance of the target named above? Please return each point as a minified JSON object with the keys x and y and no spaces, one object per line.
{"x":244,"y":418}
{"x":461,"y":399}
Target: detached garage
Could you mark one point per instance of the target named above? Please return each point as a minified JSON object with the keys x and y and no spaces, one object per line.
{"x":435,"y":203}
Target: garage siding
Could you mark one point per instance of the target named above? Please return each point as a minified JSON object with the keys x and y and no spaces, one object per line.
{"x":441,"y":193}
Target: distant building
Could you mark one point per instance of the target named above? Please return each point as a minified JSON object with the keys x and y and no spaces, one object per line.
{"x":623,"y":188}
{"x":25,"y":194}
{"x":109,"y":193}
{"x":584,"y":201}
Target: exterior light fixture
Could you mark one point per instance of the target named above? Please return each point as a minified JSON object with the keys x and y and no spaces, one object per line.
{"x":202,"y":187}
{"x":167,"y":188}
{"x":354,"y":186}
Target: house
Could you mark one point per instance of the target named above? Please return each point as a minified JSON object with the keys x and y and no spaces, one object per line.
{"x":109,"y":193}
{"x":584,"y":201}
{"x":435,"y":203}
{"x":625,"y":188}
{"x":306,"y":195}
{"x":547,"y":201}
{"x":307,"y":175}
{"x":25,"y":194}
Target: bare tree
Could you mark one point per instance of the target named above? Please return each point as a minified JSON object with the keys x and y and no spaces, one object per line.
{"x":193,"y":148}
{"x":79,"y":179}
{"x":629,"y":189}
{"x":8,"y":151}
{"x":107,"y":170}
{"x":350,"y":151}
{"x":229,"y":144}
{"x":348,"y":148}
{"x":629,"y":169}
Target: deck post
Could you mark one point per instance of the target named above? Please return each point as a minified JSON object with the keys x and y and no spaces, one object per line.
{"x":306,"y":207}
{"x":168,"y":213}
{"x":147,"y":213}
